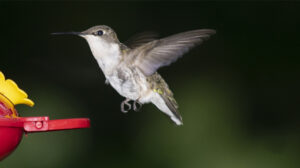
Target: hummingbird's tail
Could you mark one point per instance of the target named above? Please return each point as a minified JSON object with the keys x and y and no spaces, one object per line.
{"x":168,"y":106}
{"x":162,"y":97}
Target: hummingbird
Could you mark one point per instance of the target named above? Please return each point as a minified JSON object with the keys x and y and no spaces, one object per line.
{"x":132,"y":69}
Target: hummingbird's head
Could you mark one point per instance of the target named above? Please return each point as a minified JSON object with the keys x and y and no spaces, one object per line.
{"x":100,"y":33}
{"x":101,"y":39}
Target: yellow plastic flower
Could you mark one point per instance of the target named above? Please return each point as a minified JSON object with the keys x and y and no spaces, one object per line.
{"x":12,"y":92}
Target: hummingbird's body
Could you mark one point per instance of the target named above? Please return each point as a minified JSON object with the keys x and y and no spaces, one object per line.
{"x":128,"y":80}
{"x":131,"y":71}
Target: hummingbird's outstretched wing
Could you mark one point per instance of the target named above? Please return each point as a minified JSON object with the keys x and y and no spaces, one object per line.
{"x":141,"y":39}
{"x":155,"y":54}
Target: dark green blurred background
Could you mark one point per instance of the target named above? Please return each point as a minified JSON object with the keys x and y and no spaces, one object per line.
{"x":236,"y":92}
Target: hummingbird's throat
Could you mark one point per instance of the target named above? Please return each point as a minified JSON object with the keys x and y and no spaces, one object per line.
{"x":106,"y":53}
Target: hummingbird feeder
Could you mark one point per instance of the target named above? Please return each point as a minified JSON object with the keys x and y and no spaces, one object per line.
{"x":12,"y":127}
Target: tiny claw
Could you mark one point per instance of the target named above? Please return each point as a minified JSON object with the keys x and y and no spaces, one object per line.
{"x":125,"y":102}
{"x":135,"y":107}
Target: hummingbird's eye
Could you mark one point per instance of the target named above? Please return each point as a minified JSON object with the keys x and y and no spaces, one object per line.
{"x":100,"y":33}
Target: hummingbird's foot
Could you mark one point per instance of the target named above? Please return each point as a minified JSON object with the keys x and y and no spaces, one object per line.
{"x":137,"y":107}
{"x":125,"y":102}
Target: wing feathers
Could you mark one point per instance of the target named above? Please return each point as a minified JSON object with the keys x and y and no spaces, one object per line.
{"x":141,"y":39}
{"x":155,"y":54}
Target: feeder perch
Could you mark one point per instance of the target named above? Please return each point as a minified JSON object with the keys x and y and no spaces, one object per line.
{"x":12,"y":127}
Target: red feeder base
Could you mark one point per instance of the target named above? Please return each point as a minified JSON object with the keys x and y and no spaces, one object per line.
{"x":11,"y":130}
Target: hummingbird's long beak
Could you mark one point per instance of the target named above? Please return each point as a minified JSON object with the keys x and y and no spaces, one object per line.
{"x":70,"y":33}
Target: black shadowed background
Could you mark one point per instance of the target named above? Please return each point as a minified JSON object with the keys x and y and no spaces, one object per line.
{"x":237,"y":92}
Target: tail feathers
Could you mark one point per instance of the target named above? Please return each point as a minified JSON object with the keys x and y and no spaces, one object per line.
{"x":163,"y":98}
{"x":167,"y":106}
{"x":173,"y":108}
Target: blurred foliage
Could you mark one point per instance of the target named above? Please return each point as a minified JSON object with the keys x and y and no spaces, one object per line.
{"x":236,"y":92}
